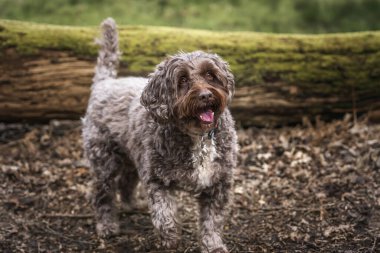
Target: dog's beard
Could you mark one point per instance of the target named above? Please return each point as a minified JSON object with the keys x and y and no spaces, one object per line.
{"x":197,"y":117}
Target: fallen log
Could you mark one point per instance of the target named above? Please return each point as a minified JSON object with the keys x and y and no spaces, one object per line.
{"x":46,"y":70}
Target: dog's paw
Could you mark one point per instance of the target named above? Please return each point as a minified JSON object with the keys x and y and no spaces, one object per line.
{"x":219,"y":250}
{"x":169,"y":243}
{"x":141,"y":204}
{"x":216,"y":249}
{"x":106,"y":230}
{"x":170,"y":240}
{"x":138,"y":205}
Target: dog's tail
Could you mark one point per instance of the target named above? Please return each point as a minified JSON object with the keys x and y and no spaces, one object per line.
{"x":108,"y":57}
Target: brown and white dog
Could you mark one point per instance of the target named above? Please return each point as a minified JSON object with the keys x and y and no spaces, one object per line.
{"x":172,"y":131}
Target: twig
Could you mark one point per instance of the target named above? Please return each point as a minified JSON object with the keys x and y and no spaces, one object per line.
{"x":233,"y":248}
{"x":52,"y":231}
{"x":277,"y":208}
{"x":187,"y":249}
{"x":133,"y":212}
{"x":374,"y":245}
{"x":67,"y":215}
{"x":163,"y":250}
{"x":186,"y":230}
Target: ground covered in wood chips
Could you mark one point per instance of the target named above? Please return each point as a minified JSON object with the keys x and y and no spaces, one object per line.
{"x":310,"y":188}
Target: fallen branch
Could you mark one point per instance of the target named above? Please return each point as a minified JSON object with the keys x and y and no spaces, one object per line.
{"x":46,"y":70}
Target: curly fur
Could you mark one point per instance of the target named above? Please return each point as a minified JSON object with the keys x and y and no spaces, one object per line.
{"x":148,"y":130}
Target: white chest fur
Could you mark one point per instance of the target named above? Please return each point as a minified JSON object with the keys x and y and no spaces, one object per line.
{"x":204,"y":154}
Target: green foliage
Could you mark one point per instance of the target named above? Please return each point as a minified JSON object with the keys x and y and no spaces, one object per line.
{"x":282,"y":16}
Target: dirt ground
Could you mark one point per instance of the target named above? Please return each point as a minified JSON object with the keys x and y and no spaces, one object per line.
{"x":308,"y":188}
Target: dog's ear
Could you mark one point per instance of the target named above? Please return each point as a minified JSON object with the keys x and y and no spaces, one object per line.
{"x":156,"y":96}
{"x":224,"y":66}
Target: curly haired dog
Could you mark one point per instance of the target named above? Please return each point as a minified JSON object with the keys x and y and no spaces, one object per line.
{"x":172,"y":131}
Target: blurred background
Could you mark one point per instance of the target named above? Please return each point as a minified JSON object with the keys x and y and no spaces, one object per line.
{"x":278,"y":16}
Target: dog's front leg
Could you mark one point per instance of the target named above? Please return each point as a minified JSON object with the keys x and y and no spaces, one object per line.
{"x":213,"y":204}
{"x":164,"y":215}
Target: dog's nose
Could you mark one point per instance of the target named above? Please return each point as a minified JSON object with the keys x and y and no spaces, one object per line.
{"x":205,"y":95}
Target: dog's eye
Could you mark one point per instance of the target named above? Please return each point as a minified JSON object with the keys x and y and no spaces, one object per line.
{"x":183,"y":80}
{"x":209,"y":76}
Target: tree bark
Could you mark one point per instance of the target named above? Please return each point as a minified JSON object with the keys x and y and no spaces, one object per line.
{"x":46,"y":70}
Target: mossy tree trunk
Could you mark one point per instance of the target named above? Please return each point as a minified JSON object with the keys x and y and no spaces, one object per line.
{"x":46,"y":70}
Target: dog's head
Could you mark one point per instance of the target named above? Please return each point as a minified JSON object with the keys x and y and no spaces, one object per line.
{"x":189,"y":89}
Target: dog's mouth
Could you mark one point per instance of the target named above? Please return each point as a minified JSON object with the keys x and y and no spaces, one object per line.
{"x":206,"y":117}
{"x":203,"y":119}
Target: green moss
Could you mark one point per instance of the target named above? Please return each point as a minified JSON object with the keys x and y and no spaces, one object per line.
{"x":327,"y":61}
{"x":29,"y":38}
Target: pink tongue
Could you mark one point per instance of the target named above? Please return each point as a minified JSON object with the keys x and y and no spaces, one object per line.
{"x":207,"y":116}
